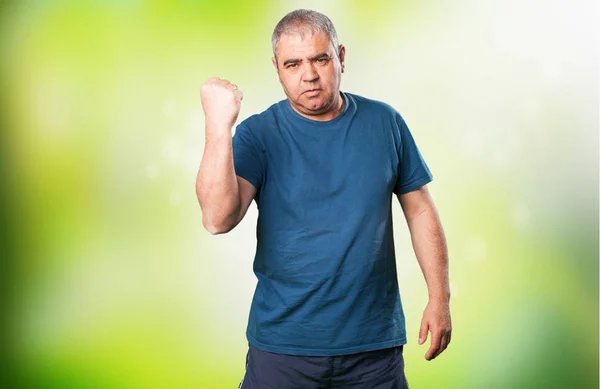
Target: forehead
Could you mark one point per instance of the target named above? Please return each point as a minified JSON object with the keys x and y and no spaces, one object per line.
{"x":303,"y":44}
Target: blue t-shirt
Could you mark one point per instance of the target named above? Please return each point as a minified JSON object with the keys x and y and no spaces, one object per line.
{"x":325,"y":261}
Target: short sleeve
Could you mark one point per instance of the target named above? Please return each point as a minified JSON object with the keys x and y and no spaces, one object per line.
{"x":247,"y":157}
{"x":413,"y":172}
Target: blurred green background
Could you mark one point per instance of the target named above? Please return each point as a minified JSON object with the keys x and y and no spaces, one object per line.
{"x":108,"y":278}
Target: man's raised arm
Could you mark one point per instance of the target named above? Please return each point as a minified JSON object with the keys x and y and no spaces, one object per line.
{"x":223,"y":197}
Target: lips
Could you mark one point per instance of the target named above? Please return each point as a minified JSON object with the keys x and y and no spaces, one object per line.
{"x":312,"y":91}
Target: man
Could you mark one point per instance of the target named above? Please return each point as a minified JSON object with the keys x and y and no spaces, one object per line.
{"x":322,"y":166}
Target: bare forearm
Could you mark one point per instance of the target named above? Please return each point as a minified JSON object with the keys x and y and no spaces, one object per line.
{"x":216,"y":184}
{"x":429,"y":243}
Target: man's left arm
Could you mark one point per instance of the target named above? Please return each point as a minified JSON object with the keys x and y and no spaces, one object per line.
{"x":430,"y":248}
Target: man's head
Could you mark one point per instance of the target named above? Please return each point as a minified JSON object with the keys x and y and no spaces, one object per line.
{"x":309,"y":62}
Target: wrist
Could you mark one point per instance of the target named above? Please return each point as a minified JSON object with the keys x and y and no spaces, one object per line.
{"x":442,"y":298}
{"x":217,"y":130}
{"x":216,"y":124}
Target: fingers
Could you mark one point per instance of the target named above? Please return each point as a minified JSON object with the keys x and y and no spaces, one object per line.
{"x":436,"y":319}
{"x":221,"y":102}
{"x":239,"y":95}
{"x":443,"y":344}
{"x":423,"y":332}
{"x":439,"y":342}
{"x":436,"y":342}
{"x":222,"y":83}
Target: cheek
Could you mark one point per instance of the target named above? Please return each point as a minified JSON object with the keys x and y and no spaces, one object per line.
{"x":289,"y":81}
{"x":329,"y":76}
{"x":293,"y":85}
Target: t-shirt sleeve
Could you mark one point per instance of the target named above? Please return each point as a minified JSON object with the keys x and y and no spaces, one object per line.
{"x":413,"y":172}
{"x":247,"y":157}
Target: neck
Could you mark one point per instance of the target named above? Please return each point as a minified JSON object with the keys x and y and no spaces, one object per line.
{"x":339,"y":104}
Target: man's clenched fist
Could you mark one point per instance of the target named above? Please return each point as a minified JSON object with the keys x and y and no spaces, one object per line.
{"x":221,"y":101}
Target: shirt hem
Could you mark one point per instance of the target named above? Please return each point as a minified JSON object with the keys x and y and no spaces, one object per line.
{"x":250,"y":178}
{"x":325,"y":352}
{"x":415,"y":185}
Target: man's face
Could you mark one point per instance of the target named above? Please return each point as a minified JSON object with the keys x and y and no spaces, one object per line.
{"x":310,"y":72}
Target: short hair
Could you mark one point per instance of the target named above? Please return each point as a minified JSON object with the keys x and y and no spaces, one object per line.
{"x":302,"y":20}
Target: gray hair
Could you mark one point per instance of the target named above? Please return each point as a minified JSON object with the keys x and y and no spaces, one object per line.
{"x":301,"y":21}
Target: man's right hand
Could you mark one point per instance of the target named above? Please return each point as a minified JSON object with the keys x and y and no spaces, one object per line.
{"x":221,"y":101}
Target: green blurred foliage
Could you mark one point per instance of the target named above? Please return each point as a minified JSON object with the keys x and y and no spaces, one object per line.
{"x":109,"y":280}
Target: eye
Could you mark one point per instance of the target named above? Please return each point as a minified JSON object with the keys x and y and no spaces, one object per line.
{"x":292,"y":66}
{"x":323,"y":61}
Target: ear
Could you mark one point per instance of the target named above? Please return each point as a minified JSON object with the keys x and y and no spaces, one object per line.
{"x":274,"y":60}
{"x":342,"y":55}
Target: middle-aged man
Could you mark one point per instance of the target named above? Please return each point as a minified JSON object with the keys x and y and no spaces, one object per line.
{"x":322,"y":166}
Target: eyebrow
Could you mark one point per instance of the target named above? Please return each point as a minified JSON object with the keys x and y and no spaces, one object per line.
{"x":313,"y":58}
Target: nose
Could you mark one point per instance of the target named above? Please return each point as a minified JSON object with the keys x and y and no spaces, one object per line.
{"x":309,"y":73}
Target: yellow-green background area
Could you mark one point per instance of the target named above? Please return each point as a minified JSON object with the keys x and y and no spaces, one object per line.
{"x":108,"y":278}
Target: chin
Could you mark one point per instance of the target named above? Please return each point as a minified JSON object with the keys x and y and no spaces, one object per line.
{"x":316,"y":109}
{"x":316,"y":105}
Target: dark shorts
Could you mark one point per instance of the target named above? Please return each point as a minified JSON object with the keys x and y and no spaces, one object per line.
{"x":379,"y":369}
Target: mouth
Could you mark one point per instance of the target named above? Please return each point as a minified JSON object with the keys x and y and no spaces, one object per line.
{"x":312,"y":92}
